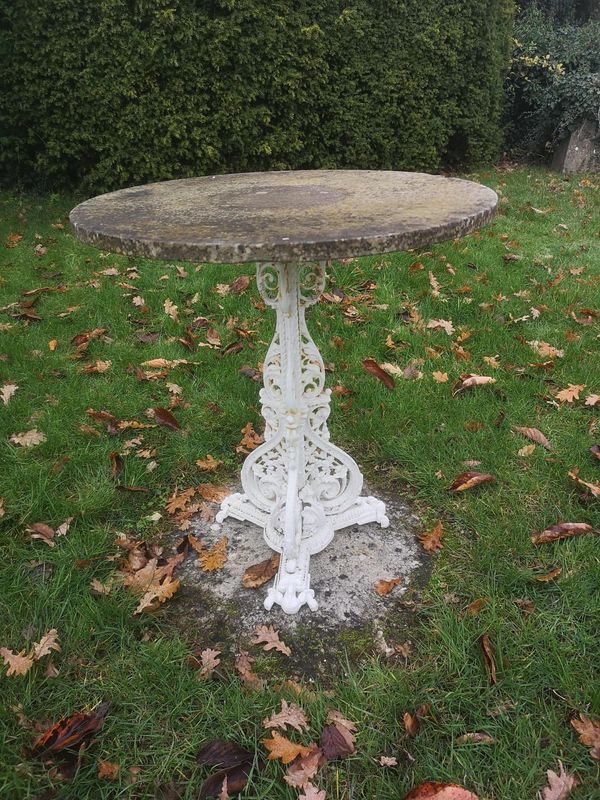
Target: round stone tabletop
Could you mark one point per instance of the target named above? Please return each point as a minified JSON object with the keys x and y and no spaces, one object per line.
{"x":309,"y":215}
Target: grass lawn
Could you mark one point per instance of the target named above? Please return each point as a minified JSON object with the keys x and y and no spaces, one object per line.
{"x":532,"y":276}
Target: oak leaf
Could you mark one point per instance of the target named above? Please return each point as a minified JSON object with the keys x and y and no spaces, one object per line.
{"x":209,"y":661}
{"x":431,"y":541}
{"x":312,"y":793}
{"x":281,"y":748}
{"x":28,"y":438}
{"x":440,"y":377}
{"x":213,"y":493}
{"x":570,"y":393}
{"x":383,"y":587}
{"x":440,"y":791}
{"x":545,"y":350}
{"x":7,"y":391}
{"x":209,"y":464}
{"x":559,"y":786}
{"x":268,"y":637}
{"x":303,"y":769}
{"x":46,"y":644}
{"x":243,"y":665}
{"x":388,"y":761}
{"x":17,"y":663}
{"x":250,"y":439}
{"x":108,"y":771}
{"x":589,"y":733}
{"x":549,"y":576}
{"x":441,"y":324}
{"x":215,"y":558}
{"x":259,"y":574}
{"x":290,"y":714}
{"x":157,"y":594}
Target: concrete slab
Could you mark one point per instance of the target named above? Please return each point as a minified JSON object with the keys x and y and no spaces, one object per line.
{"x":215,"y":610}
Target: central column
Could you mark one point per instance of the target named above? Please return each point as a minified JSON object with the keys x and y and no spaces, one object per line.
{"x":297,"y":485}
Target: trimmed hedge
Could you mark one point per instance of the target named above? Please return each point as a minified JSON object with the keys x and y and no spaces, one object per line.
{"x":98,"y":94}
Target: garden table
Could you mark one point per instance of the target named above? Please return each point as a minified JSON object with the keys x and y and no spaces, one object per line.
{"x":297,"y":486}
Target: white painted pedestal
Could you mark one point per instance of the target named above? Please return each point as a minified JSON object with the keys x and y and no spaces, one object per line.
{"x":298,"y":486}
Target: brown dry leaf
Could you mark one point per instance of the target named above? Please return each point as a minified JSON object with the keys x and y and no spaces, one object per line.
{"x":312,"y":793}
{"x":108,"y":771}
{"x":595,"y":450}
{"x":209,"y":464}
{"x":570,"y":393}
{"x":259,"y":574}
{"x":171,"y":310}
{"x":592,"y":400}
{"x":97,"y":368}
{"x":64,"y":527}
{"x":281,"y":748}
{"x":243,"y":665}
{"x":7,"y":391}
{"x":209,"y":661}
{"x":303,"y":769}
{"x":39,"y":530}
{"x":268,"y":637}
{"x":441,"y":324}
{"x":545,"y":350}
{"x":562,"y":530}
{"x":467,"y":480}
{"x":240,"y":284}
{"x":17,"y":663}
{"x":383,"y":588}
{"x":477,"y":737}
{"x":250,"y":440}
{"x":489,"y":657}
{"x":215,"y":558}
{"x":290,"y":714}
{"x":432,"y":540}
{"x":526,"y":451}
{"x":440,"y":791}
{"x":98,"y":587}
{"x":373,"y":368}
{"x":589,"y":733}
{"x":440,"y":377}
{"x":535,"y":436}
{"x":411,"y":723}
{"x":388,"y":761}
{"x":161,"y":363}
{"x":46,"y":644}
{"x":157,"y":594}
{"x":470,"y":380}
{"x":2,"y":509}
{"x":166,"y":419}
{"x":594,"y":488}
{"x":559,"y":786}
{"x":549,"y":576}
{"x":28,"y":438}
{"x":179,"y":500}
{"x":475,"y":607}
{"x":213,"y":493}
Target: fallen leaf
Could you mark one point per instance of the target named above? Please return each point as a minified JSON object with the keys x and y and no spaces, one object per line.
{"x":7,"y":391}
{"x":594,"y":488}
{"x":250,"y":440}
{"x":372,"y":367}
{"x":240,"y":284}
{"x":290,"y":714}
{"x":475,"y":607}
{"x":440,"y":377}
{"x":477,"y":737}
{"x":70,"y":731}
{"x":170,"y":309}
{"x":526,"y":451}
{"x":209,"y":661}
{"x":562,"y":530}
{"x":388,"y":761}
{"x":312,"y":793}
{"x":28,"y":439}
{"x":383,"y":588}
{"x":281,"y":748}
{"x":470,"y":380}
{"x":535,"y":436}
{"x":489,"y":657}
{"x":215,"y":558}
{"x":209,"y":464}
{"x":46,"y":644}
{"x":268,"y":637}
{"x":96,"y":369}
{"x":595,"y":450}
{"x":589,"y":733}
{"x":549,"y":576}
{"x":592,"y":399}
{"x":223,"y":753}
{"x":559,"y":786}
{"x":440,"y":791}
{"x":432,"y":540}
{"x":2,"y":509}
{"x":17,"y":663}
{"x":235,"y":763}
{"x":243,"y":665}
{"x":337,"y":738}
{"x":441,"y":324}
{"x":467,"y":480}
{"x":213,"y":493}
{"x":39,"y":530}
{"x":259,"y":574}
{"x":165,"y":418}
{"x":157,"y":594}
{"x":570,"y":394}
{"x":108,"y":771}
{"x":303,"y":768}
{"x":546,"y":350}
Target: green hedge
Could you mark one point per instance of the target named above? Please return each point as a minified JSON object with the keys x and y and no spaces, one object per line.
{"x":97,"y":94}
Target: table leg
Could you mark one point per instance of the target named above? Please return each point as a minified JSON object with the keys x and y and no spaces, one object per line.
{"x":298,"y":486}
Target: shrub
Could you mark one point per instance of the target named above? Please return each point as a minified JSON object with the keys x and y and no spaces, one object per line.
{"x":98,"y":94}
{"x":554,"y":82}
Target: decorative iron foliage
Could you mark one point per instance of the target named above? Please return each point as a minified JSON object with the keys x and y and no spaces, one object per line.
{"x":98,"y":94}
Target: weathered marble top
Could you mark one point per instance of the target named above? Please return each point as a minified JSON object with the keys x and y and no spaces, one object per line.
{"x":283,"y":216}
